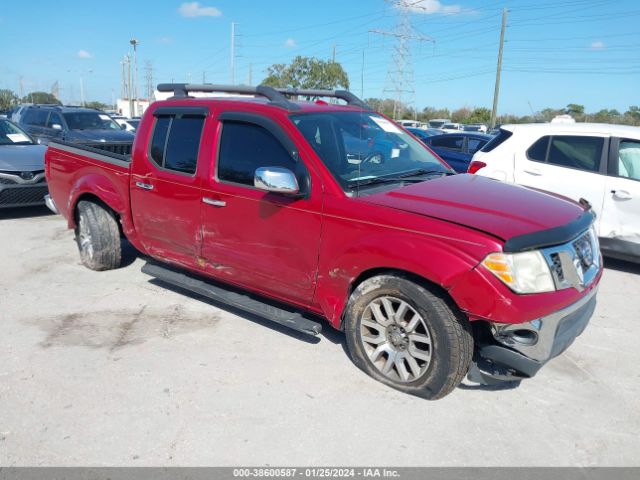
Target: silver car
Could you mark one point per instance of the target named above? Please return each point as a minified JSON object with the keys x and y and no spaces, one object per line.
{"x":22,"y":181}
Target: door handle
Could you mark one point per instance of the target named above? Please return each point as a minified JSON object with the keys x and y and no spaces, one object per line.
{"x":533,"y":171}
{"x":621,"y":194}
{"x":144,"y":186}
{"x":215,"y":203}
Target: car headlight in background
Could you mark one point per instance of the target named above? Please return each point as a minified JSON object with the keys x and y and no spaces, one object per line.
{"x":525,"y":272}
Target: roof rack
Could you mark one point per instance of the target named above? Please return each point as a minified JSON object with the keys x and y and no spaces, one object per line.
{"x":181,"y":90}
{"x":345,"y":95}
{"x":277,"y":96}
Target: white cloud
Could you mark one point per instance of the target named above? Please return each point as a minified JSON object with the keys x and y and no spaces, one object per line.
{"x":429,"y":7}
{"x":194,"y":9}
{"x":598,"y":45}
{"x":165,"y":40}
{"x":84,"y":54}
{"x":290,"y":43}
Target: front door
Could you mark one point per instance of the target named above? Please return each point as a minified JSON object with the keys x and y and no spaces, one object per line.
{"x":165,"y":186}
{"x":620,"y":222}
{"x":264,"y":241}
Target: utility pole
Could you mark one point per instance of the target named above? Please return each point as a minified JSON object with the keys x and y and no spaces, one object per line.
{"x":496,"y":92}
{"x":81,"y":91}
{"x":129,"y":87}
{"x":333,"y":56}
{"x":148,"y":75}
{"x":135,"y":44}
{"x":233,"y":53}
{"x":400,"y":72}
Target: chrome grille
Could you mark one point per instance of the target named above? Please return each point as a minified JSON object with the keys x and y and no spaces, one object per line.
{"x":576,"y":263}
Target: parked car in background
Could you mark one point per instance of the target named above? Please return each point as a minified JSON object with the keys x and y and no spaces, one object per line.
{"x":372,"y":146}
{"x":438,"y":122}
{"x":126,"y":123}
{"x":17,"y":112}
{"x":422,"y":134}
{"x":134,"y":122}
{"x":451,"y":127}
{"x":409,"y":123}
{"x":599,"y":163}
{"x":457,"y":148}
{"x":22,"y":180}
{"x":474,"y":127}
{"x":74,"y":125}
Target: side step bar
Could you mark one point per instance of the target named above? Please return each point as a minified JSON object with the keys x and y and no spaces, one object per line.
{"x":282,"y":317}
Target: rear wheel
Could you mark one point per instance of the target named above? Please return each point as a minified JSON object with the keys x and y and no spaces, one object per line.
{"x":98,"y":237}
{"x":408,"y":336}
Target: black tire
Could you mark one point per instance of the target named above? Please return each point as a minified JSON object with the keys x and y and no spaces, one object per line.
{"x":448,"y":330}
{"x":98,"y":237}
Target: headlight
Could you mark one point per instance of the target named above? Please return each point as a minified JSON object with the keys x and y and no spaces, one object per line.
{"x":525,"y":272}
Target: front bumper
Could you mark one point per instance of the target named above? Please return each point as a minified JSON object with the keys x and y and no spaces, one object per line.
{"x":518,"y":351}
{"x":22,"y":194}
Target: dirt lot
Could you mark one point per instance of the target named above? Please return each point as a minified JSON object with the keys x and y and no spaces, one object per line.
{"x":111,"y":369}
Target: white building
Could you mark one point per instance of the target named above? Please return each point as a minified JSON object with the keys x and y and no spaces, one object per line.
{"x":124,"y":108}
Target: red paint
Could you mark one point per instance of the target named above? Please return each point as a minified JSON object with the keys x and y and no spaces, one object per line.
{"x":309,"y":251}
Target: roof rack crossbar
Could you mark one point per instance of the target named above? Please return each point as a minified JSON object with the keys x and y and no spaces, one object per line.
{"x":345,"y":95}
{"x":274,"y":96}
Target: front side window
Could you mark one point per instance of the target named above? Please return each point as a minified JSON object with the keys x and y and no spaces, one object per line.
{"x":175,"y":143}
{"x":364,"y":147}
{"x":54,"y":119}
{"x":582,"y":153}
{"x":245,"y":147}
{"x":629,"y":159}
{"x":450,"y":142}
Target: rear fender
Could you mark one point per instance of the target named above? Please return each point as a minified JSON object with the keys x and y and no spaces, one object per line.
{"x":101,"y":187}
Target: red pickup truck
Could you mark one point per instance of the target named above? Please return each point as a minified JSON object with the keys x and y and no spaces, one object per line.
{"x":307,"y":212}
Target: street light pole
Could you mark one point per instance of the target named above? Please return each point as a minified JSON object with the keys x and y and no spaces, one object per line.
{"x":135,"y":44}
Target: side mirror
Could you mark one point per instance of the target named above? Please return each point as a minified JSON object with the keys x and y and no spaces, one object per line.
{"x":276,"y":180}
{"x":56,"y":126}
{"x":123,"y":126}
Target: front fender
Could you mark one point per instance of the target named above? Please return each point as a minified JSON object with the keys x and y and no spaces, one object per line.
{"x":436,"y":260}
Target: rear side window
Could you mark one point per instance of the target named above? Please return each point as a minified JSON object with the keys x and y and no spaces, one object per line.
{"x":451,"y":142}
{"x":36,"y":117}
{"x":474,"y":144}
{"x":538,"y":151}
{"x":629,"y":159}
{"x":245,"y":147}
{"x":582,"y":153}
{"x":176,"y":141}
{"x":498,"y":140}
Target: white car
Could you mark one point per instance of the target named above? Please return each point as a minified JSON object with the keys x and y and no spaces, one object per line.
{"x":599,"y":163}
{"x":126,"y":122}
{"x":451,"y":127}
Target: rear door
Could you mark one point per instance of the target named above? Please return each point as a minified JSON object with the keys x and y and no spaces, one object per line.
{"x":34,"y":122}
{"x":570,"y":165}
{"x":165,"y":185}
{"x":268,"y":242}
{"x":620,"y":220}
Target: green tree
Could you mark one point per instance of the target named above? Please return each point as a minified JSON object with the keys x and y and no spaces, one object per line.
{"x":575,"y":110}
{"x":97,"y":105}
{"x":633,"y":112}
{"x":8,"y":99}
{"x":480,"y":115}
{"x":307,"y":72}
{"x":460,"y":115}
{"x":40,"y":97}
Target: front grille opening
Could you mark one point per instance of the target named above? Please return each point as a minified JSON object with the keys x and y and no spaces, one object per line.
{"x":556,"y":266}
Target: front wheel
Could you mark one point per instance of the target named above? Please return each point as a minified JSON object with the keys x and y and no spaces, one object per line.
{"x":98,"y":237}
{"x":407,"y":336}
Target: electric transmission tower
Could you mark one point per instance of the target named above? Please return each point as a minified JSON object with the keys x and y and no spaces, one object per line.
{"x":148,"y":76}
{"x":400,"y":73}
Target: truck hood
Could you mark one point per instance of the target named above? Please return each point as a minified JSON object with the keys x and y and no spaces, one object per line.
{"x":500,"y":209}
{"x":107,"y":135}
{"x":22,"y":158}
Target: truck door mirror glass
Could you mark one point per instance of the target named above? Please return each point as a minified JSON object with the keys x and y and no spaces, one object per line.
{"x":276,"y":180}
{"x":123,"y":126}
{"x":56,"y":126}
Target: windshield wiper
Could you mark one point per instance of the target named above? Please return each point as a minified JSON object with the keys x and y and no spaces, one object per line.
{"x":414,"y":176}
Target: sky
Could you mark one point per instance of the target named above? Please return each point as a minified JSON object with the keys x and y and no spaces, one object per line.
{"x":555,"y":52}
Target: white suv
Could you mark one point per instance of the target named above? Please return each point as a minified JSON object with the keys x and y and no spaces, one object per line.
{"x":596,"y":162}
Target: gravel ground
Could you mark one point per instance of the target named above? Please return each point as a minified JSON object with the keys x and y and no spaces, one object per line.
{"x":111,"y":369}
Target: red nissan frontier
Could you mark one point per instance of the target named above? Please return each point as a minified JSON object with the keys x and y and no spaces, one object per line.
{"x":306,"y":212}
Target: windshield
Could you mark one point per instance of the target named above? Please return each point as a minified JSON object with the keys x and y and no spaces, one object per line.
{"x":90,"y":121}
{"x":436,"y":123}
{"x":10,"y":134}
{"x":360,"y":147}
